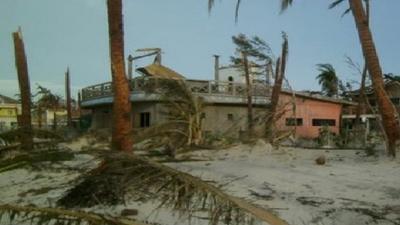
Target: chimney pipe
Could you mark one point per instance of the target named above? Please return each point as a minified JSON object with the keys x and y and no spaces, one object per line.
{"x":216,"y":67}
{"x":130,"y":62}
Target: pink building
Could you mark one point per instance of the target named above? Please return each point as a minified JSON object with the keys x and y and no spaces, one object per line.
{"x":309,"y":114}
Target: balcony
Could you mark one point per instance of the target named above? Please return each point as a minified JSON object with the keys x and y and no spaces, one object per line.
{"x":213,"y":91}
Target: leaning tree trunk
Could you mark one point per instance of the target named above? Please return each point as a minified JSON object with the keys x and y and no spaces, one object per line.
{"x":362,"y":97}
{"x":250,"y":127}
{"x":276,"y":91}
{"x":122,"y":126}
{"x":68,"y":97}
{"x":25,"y":91}
{"x":386,"y":108}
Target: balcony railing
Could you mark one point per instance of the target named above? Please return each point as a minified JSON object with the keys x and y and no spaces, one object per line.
{"x":202,"y":87}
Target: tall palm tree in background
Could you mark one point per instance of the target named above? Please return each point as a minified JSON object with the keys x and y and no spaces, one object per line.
{"x":386,"y":107}
{"x":328,"y":79}
{"x":25,"y":91}
{"x":122,"y":121}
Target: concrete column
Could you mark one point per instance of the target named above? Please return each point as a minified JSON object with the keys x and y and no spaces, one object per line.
{"x":216,"y":67}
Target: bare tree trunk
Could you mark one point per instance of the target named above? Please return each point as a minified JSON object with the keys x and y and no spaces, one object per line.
{"x":276,"y":91}
{"x":386,"y":108}
{"x":25,"y":91}
{"x":362,"y":97}
{"x":250,"y":127}
{"x":122,"y":125}
{"x":40,"y":112}
{"x":54,"y":121}
{"x":68,"y":98}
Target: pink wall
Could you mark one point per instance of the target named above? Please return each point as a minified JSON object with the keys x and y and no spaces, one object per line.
{"x":308,"y":109}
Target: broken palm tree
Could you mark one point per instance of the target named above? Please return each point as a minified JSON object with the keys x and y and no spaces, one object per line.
{"x":122,"y":119}
{"x":122,"y":177}
{"x":276,"y":91}
{"x":25,"y":91}
{"x":250,"y":57}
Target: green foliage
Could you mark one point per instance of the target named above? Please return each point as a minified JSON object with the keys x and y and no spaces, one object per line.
{"x":258,"y":52}
{"x":328,"y":79}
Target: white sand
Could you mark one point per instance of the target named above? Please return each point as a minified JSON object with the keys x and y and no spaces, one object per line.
{"x":344,"y":191}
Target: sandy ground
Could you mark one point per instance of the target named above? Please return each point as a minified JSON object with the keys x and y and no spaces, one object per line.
{"x":349,"y":189}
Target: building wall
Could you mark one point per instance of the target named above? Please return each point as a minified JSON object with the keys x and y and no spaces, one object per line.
{"x":231,"y":120}
{"x":308,"y":109}
{"x":8,"y":116}
{"x":227,"y":120}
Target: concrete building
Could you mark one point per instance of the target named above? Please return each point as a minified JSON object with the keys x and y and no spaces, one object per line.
{"x":225,"y":110}
{"x":9,"y":110}
{"x":370,"y":115}
{"x":306,"y":114}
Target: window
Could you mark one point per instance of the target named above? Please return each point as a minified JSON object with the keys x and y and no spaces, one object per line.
{"x":323,"y":122}
{"x":294,"y":121}
{"x":203,"y":115}
{"x":230,"y":116}
{"x":145,"y":119}
{"x":230,"y":79}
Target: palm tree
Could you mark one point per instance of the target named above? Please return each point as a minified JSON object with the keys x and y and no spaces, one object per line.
{"x":47,"y":100}
{"x":122,"y":121}
{"x":328,"y":79}
{"x":386,"y":107}
{"x":25,"y":91}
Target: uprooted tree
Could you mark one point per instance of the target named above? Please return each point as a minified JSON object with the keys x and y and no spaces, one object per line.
{"x":24,"y":122}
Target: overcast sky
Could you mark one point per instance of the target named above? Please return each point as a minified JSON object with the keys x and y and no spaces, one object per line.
{"x":61,"y":33}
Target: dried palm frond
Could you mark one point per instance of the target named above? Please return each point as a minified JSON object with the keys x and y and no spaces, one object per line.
{"x":121,"y":176}
{"x":43,"y":216}
{"x":13,"y":136}
{"x":183,"y":111}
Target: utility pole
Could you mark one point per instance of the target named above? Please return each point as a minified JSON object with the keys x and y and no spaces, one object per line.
{"x":68,"y":98}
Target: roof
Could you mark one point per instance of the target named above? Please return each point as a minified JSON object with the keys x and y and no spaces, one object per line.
{"x":7,"y":100}
{"x":370,"y":90}
{"x":319,"y":98}
{"x":160,"y":71}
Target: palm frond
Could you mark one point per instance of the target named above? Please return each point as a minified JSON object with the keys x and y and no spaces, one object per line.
{"x":285,"y":4}
{"x":237,"y":11}
{"x":335,"y":3}
{"x":46,"y":216}
{"x":210,"y":5}
{"x":121,"y":176}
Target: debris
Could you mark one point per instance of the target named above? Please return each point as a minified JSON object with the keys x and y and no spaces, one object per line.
{"x":320,"y":160}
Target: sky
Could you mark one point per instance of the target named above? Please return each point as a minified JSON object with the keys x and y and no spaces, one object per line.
{"x":74,"y":33}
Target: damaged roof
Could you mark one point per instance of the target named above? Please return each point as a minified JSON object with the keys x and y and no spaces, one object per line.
{"x":7,"y":100}
{"x":160,"y":71}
